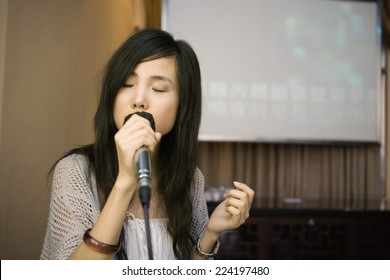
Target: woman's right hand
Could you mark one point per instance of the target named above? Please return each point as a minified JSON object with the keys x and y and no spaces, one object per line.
{"x":133,"y":135}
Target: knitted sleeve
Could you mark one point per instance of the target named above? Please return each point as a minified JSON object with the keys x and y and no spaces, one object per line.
{"x":74,"y":207}
{"x":200,"y":212}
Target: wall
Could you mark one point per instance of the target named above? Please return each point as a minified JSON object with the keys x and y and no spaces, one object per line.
{"x":3,"y":34}
{"x":50,"y":63}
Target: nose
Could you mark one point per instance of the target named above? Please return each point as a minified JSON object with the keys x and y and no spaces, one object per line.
{"x":139,"y":100}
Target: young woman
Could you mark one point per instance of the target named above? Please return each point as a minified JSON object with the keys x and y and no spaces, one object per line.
{"x":95,"y":210}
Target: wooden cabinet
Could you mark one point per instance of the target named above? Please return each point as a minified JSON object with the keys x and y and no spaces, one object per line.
{"x":273,"y":233}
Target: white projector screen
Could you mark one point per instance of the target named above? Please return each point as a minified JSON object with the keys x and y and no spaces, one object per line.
{"x":284,"y":70}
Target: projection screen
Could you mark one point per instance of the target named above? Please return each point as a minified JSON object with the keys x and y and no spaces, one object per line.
{"x":284,"y":70}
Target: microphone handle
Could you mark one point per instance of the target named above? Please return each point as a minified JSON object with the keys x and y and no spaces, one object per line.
{"x":144,"y":174}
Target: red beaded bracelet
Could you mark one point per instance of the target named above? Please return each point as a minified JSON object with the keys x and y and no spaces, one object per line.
{"x":98,"y":246}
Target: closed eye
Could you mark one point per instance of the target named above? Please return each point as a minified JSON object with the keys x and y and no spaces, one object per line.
{"x":158,"y":90}
{"x":127,"y":85}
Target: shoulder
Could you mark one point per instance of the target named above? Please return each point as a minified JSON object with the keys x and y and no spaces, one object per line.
{"x":198,"y":178}
{"x":71,"y":170}
{"x":73,"y":181}
{"x":197,"y":187}
{"x":74,"y":163}
{"x":73,"y":160}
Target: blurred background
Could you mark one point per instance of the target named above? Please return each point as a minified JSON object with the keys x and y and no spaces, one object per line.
{"x":311,"y":198}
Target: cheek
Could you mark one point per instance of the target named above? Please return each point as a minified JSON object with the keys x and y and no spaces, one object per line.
{"x":165,"y":120}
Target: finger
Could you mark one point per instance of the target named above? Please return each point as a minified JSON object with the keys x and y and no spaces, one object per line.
{"x":236,"y":217}
{"x":240,"y":205}
{"x":138,"y":128}
{"x":141,"y":139}
{"x":246,"y":189}
{"x":138,"y":123}
{"x":239,"y":194}
{"x":128,"y":143}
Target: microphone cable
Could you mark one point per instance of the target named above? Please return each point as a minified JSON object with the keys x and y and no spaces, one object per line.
{"x":144,"y":192}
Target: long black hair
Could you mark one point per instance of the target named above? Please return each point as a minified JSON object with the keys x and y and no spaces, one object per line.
{"x":178,"y":149}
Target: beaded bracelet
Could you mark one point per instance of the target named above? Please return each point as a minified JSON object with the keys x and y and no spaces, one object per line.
{"x":98,"y":246}
{"x":199,"y":251}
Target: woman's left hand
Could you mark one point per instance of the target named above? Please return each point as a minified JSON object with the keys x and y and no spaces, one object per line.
{"x":233,"y":211}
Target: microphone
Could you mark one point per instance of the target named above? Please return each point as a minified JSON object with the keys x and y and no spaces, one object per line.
{"x":144,"y":169}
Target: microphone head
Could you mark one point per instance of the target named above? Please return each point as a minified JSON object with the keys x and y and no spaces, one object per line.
{"x":145,"y":115}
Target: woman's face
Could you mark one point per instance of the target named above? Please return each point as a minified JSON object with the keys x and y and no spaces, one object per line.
{"x":153,"y":88}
